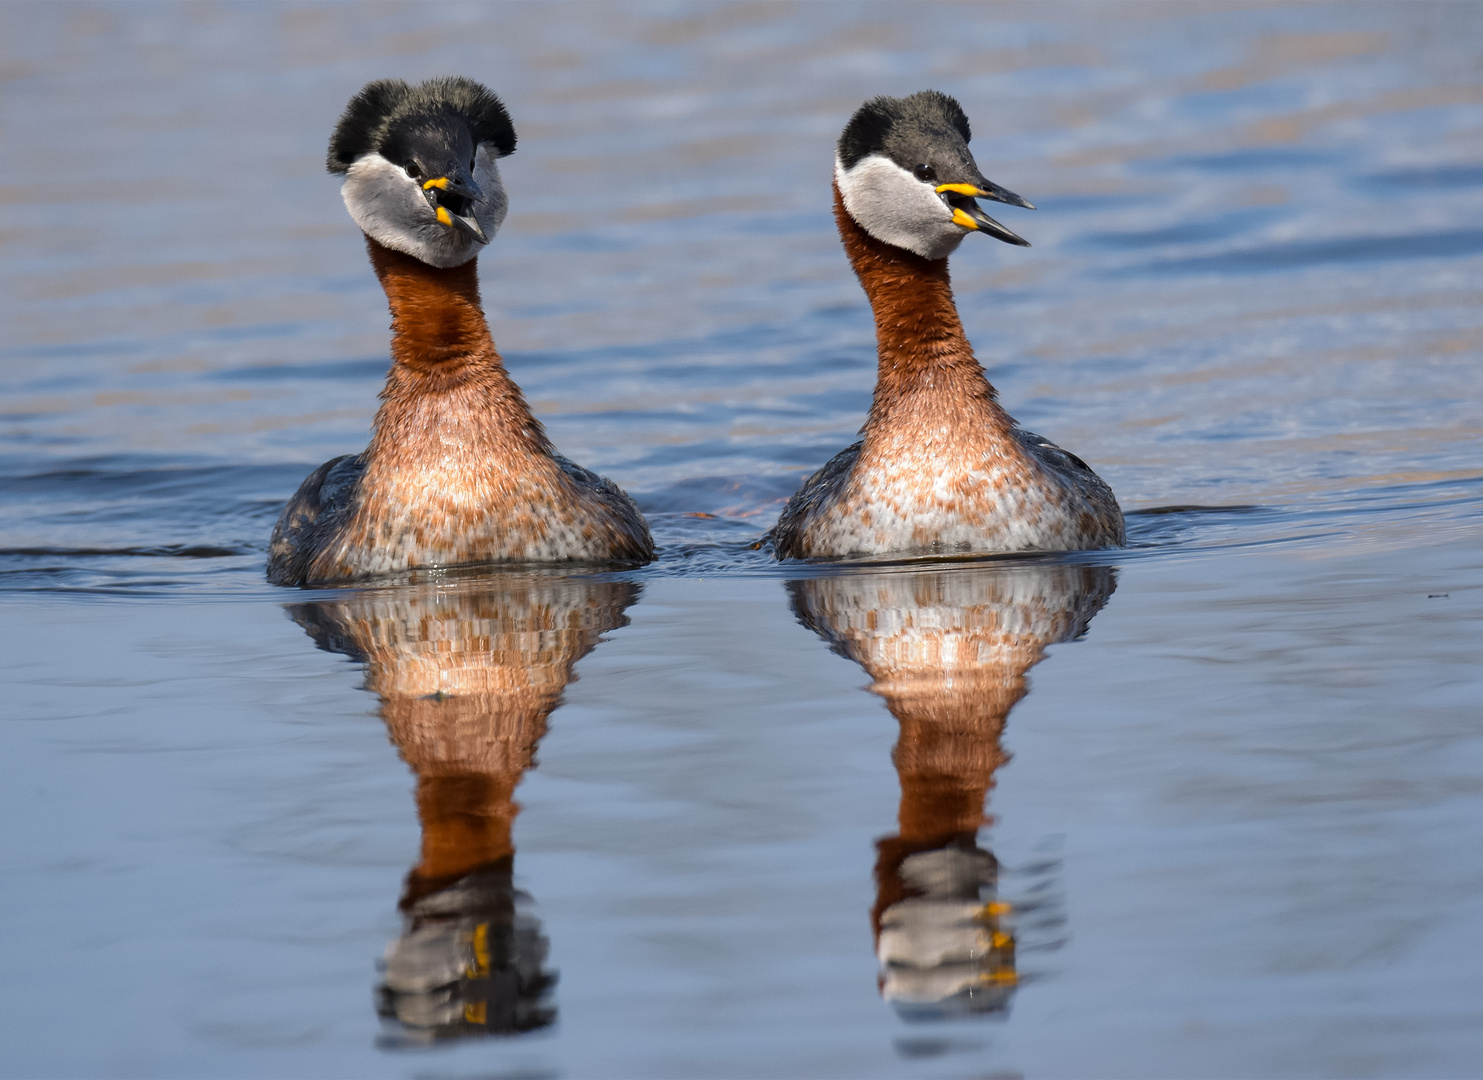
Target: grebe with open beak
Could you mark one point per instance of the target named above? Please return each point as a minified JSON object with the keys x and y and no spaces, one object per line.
{"x":940,"y":468}
{"x":458,"y":470}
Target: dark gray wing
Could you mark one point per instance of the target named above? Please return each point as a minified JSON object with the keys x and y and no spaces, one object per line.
{"x":631,"y":521}
{"x":786,"y":535}
{"x":1079,"y":476}
{"x":1048,"y":453}
{"x":309,"y":517}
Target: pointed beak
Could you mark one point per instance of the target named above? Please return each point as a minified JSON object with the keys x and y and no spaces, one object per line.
{"x":453,"y":198}
{"x":968,"y":214}
{"x":468,"y":223}
{"x":985,"y":189}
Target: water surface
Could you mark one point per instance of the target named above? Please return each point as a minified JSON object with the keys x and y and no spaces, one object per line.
{"x":1208,"y":806}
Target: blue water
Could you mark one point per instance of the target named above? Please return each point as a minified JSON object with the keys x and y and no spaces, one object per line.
{"x":1234,"y":820}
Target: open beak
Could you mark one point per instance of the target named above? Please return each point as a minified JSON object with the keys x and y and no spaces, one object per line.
{"x":968,"y":214}
{"x":453,"y":198}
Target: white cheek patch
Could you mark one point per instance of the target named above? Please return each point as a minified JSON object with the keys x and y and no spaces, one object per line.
{"x":390,"y":208}
{"x":491,"y":212}
{"x":894,"y":206}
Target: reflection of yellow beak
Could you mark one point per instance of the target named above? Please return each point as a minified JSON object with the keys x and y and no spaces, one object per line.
{"x":441,"y":183}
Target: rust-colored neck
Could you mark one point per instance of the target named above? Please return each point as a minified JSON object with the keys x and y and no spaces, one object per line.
{"x":436,"y":318}
{"x":917,"y":330}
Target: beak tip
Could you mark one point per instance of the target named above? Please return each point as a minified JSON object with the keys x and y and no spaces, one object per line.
{"x":472,"y":227}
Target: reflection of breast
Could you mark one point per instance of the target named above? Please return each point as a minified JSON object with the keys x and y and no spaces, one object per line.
{"x":467,"y":677}
{"x":948,"y":650}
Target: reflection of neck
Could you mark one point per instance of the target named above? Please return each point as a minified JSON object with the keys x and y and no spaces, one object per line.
{"x":469,"y":752}
{"x":949,"y":749}
{"x":951,"y":723}
{"x":919,"y":336}
{"x":466,"y":823}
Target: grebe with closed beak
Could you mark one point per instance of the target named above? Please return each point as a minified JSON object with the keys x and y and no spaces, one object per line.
{"x":940,"y":468}
{"x":458,"y":471}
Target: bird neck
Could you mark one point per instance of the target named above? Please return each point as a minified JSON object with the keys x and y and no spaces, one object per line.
{"x":919,"y":337}
{"x":437,"y":323}
{"x":447,"y":386}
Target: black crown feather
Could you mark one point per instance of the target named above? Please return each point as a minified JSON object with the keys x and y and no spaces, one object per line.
{"x":384,"y":102}
{"x":869,"y":130}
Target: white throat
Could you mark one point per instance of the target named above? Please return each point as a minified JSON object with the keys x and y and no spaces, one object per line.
{"x":892,"y":205}
{"x":390,"y":208}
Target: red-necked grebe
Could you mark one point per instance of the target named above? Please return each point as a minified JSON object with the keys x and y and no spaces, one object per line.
{"x":458,"y":471}
{"x":940,"y":467}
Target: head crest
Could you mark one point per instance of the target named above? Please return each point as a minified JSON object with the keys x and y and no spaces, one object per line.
{"x":382,"y":103}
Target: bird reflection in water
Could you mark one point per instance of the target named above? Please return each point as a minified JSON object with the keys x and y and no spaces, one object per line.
{"x":467,"y":676}
{"x":948,"y":650}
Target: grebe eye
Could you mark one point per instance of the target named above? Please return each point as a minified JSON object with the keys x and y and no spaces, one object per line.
{"x":414,"y":170}
{"x":925,"y":173}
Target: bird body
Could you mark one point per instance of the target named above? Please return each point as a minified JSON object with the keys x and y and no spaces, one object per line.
{"x":940,"y":467}
{"x":458,"y":470}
